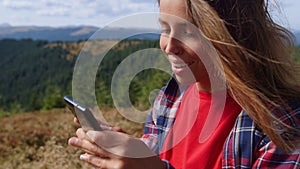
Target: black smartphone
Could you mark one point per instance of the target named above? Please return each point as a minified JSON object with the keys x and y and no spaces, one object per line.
{"x":83,"y":114}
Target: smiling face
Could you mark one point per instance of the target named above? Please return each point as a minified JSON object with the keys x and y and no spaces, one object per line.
{"x":183,"y":44}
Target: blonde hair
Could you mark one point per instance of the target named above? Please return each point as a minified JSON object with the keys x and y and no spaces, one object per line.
{"x":256,"y":54}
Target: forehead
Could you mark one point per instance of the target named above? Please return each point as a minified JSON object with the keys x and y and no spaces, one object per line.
{"x":173,"y":8}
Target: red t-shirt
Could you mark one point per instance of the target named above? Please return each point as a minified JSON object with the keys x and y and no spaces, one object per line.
{"x":203,"y":122}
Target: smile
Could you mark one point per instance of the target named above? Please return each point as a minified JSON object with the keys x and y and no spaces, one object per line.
{"x":183,"y":65}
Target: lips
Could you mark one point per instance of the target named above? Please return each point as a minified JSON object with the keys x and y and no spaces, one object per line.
{"x":181,"y":65}
{"x":181,"y":68}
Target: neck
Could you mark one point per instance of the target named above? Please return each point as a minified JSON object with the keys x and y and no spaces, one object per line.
{"x":207,"y":88}
{"x":203,"y":88}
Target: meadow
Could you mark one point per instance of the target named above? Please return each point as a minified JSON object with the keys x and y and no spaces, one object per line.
{"x":35,"y":126}
{"x":39,"y":139}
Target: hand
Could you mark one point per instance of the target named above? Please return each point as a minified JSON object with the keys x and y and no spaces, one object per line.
{"x":115,"y":150}
{"x":104,"y":126}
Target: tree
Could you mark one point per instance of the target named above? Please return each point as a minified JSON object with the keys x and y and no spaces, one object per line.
{"x":53,"y":98}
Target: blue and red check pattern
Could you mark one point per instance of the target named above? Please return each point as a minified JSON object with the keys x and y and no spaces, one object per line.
{"x":245,"y":147}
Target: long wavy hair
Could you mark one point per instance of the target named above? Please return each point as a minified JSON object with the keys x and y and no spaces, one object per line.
{"x":256,"y":54}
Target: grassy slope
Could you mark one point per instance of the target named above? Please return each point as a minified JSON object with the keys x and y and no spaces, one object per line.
{"x":39,"y":139}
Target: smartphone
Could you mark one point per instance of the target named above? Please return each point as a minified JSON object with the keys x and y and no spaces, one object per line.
{"x":83,"y":114}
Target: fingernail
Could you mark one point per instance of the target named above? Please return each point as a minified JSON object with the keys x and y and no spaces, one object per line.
{"x":91,"y":135}
{"x":83,"y":157}
{"x":106,"y":127}
{"x":73,"y":141}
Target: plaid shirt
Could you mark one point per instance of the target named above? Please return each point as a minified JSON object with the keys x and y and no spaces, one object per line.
{"x":246,"y":146}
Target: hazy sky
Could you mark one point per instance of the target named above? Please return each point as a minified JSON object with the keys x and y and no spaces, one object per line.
{"x":102,"y":12}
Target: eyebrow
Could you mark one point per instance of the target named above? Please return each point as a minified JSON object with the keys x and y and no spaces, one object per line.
{"x":182,"y":24}
{"x":162,"y":21}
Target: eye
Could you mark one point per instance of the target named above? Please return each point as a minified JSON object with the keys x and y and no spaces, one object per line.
{"x":165,"y":31}
{"x":189,"y":34}
{"x":164,"y":27}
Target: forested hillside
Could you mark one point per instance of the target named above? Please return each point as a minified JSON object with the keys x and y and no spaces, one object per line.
{"x":31,"y":73}
{"x":36,"y":75}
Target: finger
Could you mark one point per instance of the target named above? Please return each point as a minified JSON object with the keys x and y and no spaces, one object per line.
{"x":93,"y":160}
{"x":109,"y":141}
{"x":74,"y":142}
{"x":81,"y":134}
{"x":120,"y":144}
{"x":99,"y":162}
{"x":118,"y":129}
{"x":87,"y":146}
{"x":105,"y":126}
{"x":76,"y":120}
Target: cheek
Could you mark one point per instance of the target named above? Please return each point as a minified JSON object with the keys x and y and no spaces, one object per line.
{"x":197,"y":51}
{"x":162,"y":43}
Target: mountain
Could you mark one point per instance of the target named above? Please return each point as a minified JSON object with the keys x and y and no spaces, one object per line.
{"x":36,"y":74}
{"x":297,"y":36}
{"x":73,"y":33}
{"x":47,"y":33}
{"x":4,"y":25}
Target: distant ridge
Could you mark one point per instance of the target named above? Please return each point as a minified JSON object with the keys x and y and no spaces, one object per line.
{"x":73,"y":33}
{"x":3,"y":25}
{"x":297,"y":36}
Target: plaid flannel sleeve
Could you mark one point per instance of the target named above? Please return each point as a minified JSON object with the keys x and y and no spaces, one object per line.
{"x":161,"y":118}
{"x":248,"y":147}
{"x":159,"y":121}
{"x":150,"y":136}
{"x":269,"y":156}
{"x":169,"y":166}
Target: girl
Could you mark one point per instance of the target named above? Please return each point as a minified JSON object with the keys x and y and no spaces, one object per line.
{"x":233,"y":101}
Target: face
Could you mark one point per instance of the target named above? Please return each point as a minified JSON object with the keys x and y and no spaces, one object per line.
{"x":183,"y":44}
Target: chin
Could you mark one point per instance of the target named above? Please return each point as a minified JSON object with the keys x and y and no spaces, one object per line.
{"x":185,"y":81}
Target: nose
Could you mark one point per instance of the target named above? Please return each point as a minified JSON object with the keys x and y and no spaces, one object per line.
{"x":172,"y":45}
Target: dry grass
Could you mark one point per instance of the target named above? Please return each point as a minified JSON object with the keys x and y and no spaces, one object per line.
{"x":95,"y":47}
{"x":39,"y":139}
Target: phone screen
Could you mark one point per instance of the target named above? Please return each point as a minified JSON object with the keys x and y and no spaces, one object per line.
{"x":83,"y":114}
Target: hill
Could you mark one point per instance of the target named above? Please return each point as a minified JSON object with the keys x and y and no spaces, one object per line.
{"x":30,"y":69}
{"x":37,"y":74}
{"x":76,"y":33}
{"x":297,"y":36}
{"x":71,"y":33}
{"x":40,"y":139}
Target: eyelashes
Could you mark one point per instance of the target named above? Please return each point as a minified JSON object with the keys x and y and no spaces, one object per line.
{"x":178,"y":34}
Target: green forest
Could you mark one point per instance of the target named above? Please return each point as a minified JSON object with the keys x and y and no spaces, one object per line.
{"x":36,"y":74}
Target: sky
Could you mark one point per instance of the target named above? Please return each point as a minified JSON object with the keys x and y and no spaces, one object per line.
{"x":101,"y":13}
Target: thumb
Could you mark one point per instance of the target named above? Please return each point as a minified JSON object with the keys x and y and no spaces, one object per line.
{"x":109,"y":139}
{"x":120,"y":144}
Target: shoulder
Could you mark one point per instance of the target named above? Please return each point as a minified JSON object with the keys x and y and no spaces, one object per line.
{"x":289,"y":121}
{"x":245,"y":128}
{"x":166,"y":99}
{"x":249,"y":146}
{"x":244,"y":138}
{"x":241,"y":143}
{"x":165,"y":106}
{"x":289,"y":115}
